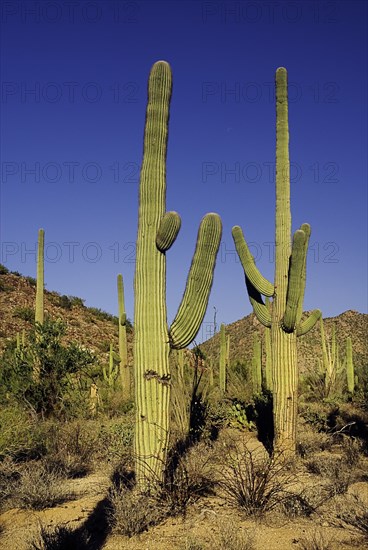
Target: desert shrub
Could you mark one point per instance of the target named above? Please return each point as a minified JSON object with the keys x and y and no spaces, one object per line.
{"x":103,"y":315}
{"x":39,"y":487}
{"x":75,"y":301}
{"x":115,"y":440}
{"x":310,"y":441}
{"x":21,"y":436}
{"x":24,"y":313}
{"x":4,"y":287}
{"x":253,"y":482}
{"x":65,"y":302}
{"x":333,"y":468}
{"x":131,"y":513}
{"x":231,"y":537}
{"x":354,"y":516}
{"x":315,"y":540}
{"x":188,"y":477}
{"x":57,"y":364}
{"x":70,"y":449}
{"x":3,"y":270}
{"x":9,"y":477}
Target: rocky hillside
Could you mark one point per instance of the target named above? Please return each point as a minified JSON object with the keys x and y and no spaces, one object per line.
{"x":90,"y":327}
{"x":95,"y":329}
{"x":243,"y":332}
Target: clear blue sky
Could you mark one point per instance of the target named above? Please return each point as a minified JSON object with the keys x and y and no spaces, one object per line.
{"x":74,"y":78}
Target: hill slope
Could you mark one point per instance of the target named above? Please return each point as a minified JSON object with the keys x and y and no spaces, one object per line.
{"x":243,"y":332}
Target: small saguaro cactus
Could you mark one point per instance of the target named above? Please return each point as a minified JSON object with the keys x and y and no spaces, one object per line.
{"x":39,"y":313}
{"x":223,"y":357}
{"x":157,"y":231}
{"x":124,"y":371}
{"x":111,"y":373}
{"x":330,"y":359}
{"x":350,"y":366}
{"x":287,"y":291}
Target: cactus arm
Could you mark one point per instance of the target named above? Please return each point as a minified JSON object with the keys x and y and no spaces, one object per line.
{"x":307,"y":230}
{"x":261,"y":311}
{"x":259,"y":282}
{"x":294,"y":290}
{"x":39,"y":313}
{"x":194,"y":303}
{"x":168,"y":231}
{"x":309,"y":322}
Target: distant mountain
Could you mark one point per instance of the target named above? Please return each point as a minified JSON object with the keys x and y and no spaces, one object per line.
{"x":243,"y":332}
{"x":95,"y":329}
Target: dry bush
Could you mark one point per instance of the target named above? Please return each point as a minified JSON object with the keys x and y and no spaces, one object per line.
{"x":192,"y":543}
{"x":188,"y":477}
{"x":131,"y":513}
{"x":9,"y":479}
{"x":310,"y":441}
{"x":39,"y":488}
{"x":252,"y":482}
{"x":71,"y":449}
{"x":336,"y":469}
{"x":315,"y":540}
{"x":232,"y":537}
{"x":353,"y":516}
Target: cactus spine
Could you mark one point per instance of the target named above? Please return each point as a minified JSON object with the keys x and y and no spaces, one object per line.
{"x":40,"y":277}
{"x":157,"y":230}
{"x":123,"y":353}
{"x":284,"y":321}
{"x":223,"y":356}
{"x":350,"y":366}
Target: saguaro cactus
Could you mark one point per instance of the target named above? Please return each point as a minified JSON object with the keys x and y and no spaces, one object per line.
{"x":110,"y":373}
{"x":330,"y":359}
{"x":123,"y":352}
{"x":350,"y":366}
{"x":40,"y":278}
{"x":284,"y":321}
{"x":157,"y":230}
{"x":223,"y":356}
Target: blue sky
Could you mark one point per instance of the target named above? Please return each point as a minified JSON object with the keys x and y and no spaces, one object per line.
{"x":73,"y":99}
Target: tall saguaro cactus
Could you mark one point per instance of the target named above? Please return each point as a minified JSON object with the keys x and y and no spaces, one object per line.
{"x":157,"y":230}
{"x":40,"y":277}
{"x":123,"y":352}
{"x":284,"y":321}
